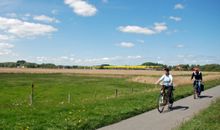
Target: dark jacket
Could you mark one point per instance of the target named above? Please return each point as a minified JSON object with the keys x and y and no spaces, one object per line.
{"x":198,"y":76}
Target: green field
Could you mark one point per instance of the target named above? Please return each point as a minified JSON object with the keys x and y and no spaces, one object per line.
{"x":208,"y":119}
{"x":93,"y":100}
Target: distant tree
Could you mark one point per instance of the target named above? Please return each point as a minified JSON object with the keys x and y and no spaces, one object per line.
{"x":21,"y":62}
{"x":8,"y":64}
{"x":31,"y":65}
{"x":75,"y":66}
{"x":210,"y":67}
{"x":152,"y":64}
{"x":47,"y":65}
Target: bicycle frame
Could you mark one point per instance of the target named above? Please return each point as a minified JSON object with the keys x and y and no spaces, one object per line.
{"x":197,"y":88}
{"x":163,"y":99}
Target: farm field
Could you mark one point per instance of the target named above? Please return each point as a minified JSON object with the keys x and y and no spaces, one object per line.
{"x":99,"y":72}
{"x":79,"y":101}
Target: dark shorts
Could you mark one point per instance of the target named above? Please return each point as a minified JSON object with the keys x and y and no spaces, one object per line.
{"x":170,"y":93}
{"x":168,"y":87}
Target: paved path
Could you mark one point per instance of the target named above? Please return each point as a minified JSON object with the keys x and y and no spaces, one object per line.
{"x":184,"y":109}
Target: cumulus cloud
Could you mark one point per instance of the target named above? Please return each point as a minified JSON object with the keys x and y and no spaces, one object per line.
{"x":81,"y":7}
{"x":70,"y":60}
{"x":5,"y":38}
{"x":6,"y":45}
{"x":5,"y":48}
{"x":136,"y":29}
{"x":178,"y":6}
{"x":126,"y":44}
{"x":158,"y":27}
{"x":177,"y":19}
{"x":45,"y":18}
{"x":24,"y":29}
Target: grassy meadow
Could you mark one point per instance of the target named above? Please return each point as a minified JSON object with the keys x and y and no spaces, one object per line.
{"x":75,"y":101}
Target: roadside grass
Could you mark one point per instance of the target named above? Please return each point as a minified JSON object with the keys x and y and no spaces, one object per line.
{"x":93,"y":101}
{"x":208,"y":119}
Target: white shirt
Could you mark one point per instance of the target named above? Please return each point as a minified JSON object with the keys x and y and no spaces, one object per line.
{"x":167,"y":80}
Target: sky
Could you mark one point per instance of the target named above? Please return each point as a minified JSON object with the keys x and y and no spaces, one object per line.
{"x":117,"y":32}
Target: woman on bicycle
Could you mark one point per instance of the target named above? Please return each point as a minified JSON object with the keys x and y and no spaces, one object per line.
{"x":197,"y":76}
{"x":167,"y":83}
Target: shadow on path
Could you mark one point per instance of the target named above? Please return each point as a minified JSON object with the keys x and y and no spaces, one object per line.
{"x":205,"y":96}
{"x":180,"y":107}
{"x":183,"y":108}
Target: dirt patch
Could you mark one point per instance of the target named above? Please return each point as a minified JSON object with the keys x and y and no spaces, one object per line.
{"x":178,"y":80}
{"x":102,"y":72}
{"x":142,"y":76}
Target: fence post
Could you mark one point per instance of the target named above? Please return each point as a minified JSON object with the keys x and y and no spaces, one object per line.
{"x":69,"y":97}
{"x":32,"y":94}
{"x":116,"y":92}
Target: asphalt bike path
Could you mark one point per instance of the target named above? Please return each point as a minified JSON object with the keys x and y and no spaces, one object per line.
{"x":183,"y":110}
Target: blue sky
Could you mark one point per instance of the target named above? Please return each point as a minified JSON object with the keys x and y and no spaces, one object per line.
{"x":119,"y":32}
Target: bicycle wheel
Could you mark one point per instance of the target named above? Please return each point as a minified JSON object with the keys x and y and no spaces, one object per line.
{"x":194,"y":92}
{"x":161,"y":103}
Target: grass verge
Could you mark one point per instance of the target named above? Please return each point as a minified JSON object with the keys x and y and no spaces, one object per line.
{"x":208,"y":119}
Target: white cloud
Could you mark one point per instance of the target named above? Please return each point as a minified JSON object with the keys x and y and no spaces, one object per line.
{"x":180,"y":46}
{"x":158,"y":27}
{"x":136,"y":29}
{"x":104,"y":1}
{"x":172,"y":31}
{"x":24,"y":29}
{"x":81,"y":7}
{"x":45,"y":18}
{"x":178,"y":6}
{"x":5,"y":48}
{"x":6,"y":45}
{"x":140,"y":41}
{"x":13,"y":15}
{"x":42,"y":59}
{"x":126,"y":44}
{"x":177,"y":19}
{"x":180,"y":56}
{"x":5,"y":38}
{"x":27,"y":15}
{"x":54,"y":11}
{"x":70,"y":60}
{"x":134,"y":57}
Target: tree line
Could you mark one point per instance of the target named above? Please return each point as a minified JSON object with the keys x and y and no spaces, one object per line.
{"x":187,"y":67}
{"x":24,"y":64}
{"x":182,"y":67}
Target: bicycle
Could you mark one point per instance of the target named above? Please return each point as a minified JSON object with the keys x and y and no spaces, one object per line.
{"x":163,"y":100}
{"x":197,"y":89}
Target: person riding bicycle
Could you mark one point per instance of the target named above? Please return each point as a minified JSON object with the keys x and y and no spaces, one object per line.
{"x":197,"y":76}
{"x":167,"y":83}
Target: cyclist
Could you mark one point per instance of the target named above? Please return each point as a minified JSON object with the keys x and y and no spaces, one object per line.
{"x":167,"y":83}
{"x":197,"y":76}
